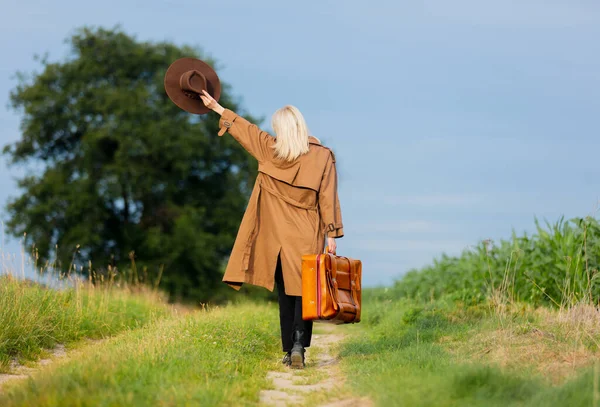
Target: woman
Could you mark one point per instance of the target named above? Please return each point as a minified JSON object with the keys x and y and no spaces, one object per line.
{"x":293,"y":205}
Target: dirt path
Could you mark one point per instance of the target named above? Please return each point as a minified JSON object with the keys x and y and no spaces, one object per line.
{"x":319,"y":384}
{"x":19,"y":371}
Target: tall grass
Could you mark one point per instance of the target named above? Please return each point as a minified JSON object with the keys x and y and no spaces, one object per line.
{"x":557,"y":265}
{"x":34,"y":317}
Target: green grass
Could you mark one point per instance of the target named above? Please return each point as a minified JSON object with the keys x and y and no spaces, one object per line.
{"x":33,"y":318}
{"x":207,"y":358}
{"x":429,"y":354}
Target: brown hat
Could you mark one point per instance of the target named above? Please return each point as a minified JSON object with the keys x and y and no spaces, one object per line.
{"x":185,"y":80}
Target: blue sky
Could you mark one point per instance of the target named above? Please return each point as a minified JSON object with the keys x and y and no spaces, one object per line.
{"x":452,"y":121}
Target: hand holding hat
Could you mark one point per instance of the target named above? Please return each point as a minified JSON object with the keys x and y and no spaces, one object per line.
{"x":187,"y":80}
{"x":211,"y":103}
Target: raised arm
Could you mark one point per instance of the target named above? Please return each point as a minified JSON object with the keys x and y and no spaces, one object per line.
{"x":257,"y":142}
{"x":329,"y":203}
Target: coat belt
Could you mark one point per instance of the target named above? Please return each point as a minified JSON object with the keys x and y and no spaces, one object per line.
{"x":288,"y":200}
{"x":254,"y":233}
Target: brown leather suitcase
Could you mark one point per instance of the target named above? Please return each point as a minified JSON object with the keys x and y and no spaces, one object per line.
{"x":331,"y":288}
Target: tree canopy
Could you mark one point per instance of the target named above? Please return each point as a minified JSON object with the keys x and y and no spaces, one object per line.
{"x":122,"y":168}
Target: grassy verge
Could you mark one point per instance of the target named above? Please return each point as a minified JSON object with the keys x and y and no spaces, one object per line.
{"x":217,"y":357}
{"x":33,"y":318}
{"x":443,"y":354}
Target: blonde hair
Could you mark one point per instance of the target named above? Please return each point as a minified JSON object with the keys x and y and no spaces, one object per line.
{"x":291,"y":133}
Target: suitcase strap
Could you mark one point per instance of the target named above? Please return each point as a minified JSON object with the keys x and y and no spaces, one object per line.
{"x":353,"y":278}
{"x":333,"y":281}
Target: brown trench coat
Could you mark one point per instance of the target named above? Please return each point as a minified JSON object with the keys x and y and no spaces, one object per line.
{"x":292,"y":207}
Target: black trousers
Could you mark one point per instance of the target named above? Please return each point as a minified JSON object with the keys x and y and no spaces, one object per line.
{"x":290,"y":315}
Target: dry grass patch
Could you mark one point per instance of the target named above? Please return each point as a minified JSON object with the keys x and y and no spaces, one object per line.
{"x":554,"y":360}
{"x":580,"y":323}
{"x":556,"y":344}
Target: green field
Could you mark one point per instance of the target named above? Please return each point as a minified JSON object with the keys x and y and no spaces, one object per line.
{"x":466,"y":331}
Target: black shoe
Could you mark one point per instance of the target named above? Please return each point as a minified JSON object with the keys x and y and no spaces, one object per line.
{"x":297,"y":354}
{"x":287,"y":359}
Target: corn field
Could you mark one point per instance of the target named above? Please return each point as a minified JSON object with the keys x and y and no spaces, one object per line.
{"x":557,"y":265}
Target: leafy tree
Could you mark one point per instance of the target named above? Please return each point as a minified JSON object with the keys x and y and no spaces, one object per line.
{"x":123,"y":168}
